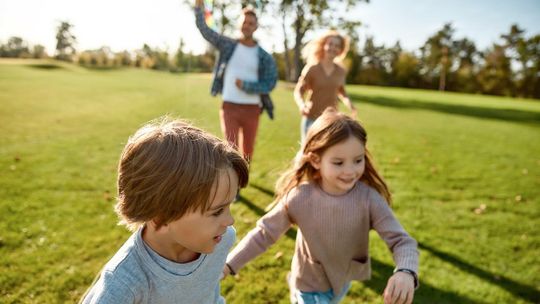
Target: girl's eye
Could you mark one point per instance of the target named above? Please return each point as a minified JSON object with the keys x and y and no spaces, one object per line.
{"x":359,"y":160}
{"x":338,"y":163}
{"x":218,"y":213}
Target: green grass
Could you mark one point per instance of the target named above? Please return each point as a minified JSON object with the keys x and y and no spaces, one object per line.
{"x":464,"y":170}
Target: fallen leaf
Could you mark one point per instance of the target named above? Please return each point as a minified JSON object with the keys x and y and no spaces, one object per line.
{"x":278,"y":255}
{"x":481,"y":209}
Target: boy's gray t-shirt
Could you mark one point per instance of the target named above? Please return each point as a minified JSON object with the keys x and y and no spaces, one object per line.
{"x":137,"y":274}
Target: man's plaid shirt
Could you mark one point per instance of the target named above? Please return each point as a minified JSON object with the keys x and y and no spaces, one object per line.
{"x":267,"y":72}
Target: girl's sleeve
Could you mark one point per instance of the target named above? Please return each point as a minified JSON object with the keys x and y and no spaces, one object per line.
{"x":382,"y":220}
{"x":268,"y":230}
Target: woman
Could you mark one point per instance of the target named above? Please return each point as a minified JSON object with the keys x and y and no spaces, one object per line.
{"x":323,"y":79}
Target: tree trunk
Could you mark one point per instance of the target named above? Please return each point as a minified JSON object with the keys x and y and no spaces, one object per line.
{"x":288,"y":74}
{"x":299,"y":36}
{"x":444,"y":69}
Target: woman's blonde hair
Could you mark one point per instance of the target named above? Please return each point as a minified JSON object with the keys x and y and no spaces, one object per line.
{"x":328,"y":130}
{"x":313,"y":52}
{"x":169,"y":168}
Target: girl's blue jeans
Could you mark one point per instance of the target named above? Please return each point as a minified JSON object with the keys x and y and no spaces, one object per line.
{"x":304,"y":126}
{"x":318,"y":297}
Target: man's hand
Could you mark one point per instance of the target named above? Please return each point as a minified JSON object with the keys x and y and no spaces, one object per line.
{"x":400,"y":289}
{"x":238,"y":83}
{"x":354,"y":112}
{"x":306,"y":107}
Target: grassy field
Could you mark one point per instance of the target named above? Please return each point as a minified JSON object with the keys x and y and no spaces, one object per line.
{"x":464,"y":169}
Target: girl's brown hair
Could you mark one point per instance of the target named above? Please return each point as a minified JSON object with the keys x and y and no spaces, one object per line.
{"x":329,"y":129}
{"x":313,"y":52}
{"x":169,"y":168}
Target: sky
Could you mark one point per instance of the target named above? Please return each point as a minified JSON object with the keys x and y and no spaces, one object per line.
{"x":128,"y":24}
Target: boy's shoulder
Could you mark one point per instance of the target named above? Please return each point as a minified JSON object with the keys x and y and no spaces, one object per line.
{"x":120,"y":277}
{"x":126,"y":264}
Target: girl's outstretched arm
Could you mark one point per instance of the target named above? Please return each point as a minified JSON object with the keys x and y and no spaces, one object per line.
{"x":268,"y":230}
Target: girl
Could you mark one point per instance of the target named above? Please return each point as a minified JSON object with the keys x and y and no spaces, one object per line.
{"x":323,"y":79}
{"x":335,"y":196}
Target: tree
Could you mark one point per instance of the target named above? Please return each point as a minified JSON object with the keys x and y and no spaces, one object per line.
{"x":180,"y":56}
{"x":495,"y":75}
{"x":65,"y":41}
{"x":15,"y":47}
{"x":38,"y":51}
{"x":437,"y":55}
{"x":467,"y":57}
{"x":372,"y":71}
{"x":524,"y":53}
{"x":405,"y":70}
{"x":310,"y":15}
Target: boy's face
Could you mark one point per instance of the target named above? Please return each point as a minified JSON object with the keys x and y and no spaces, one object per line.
{"x":200,"y":233}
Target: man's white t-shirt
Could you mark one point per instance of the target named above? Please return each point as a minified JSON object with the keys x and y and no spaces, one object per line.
{"x":243,"y":65}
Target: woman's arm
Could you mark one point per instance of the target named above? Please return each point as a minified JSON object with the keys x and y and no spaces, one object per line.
{"x":300,"y":90}
{"x":342,"y":94}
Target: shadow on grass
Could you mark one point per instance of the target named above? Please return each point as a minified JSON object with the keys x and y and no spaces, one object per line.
{"x":525,"y":292}
{"x":471,"y":111}
{"x":425,"y":294}
{"x":263,"y":190}
{"x":101,"y":68}
{"x":45,"y":66}
{"x":291,"y":233}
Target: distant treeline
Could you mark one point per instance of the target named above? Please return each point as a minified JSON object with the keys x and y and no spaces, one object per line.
{"x":510,"y":67}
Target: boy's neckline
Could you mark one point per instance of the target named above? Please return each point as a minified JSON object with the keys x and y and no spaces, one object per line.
{"x":146,"y":242}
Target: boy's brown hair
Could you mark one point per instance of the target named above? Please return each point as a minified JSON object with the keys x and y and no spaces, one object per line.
{"x":169,"y":168}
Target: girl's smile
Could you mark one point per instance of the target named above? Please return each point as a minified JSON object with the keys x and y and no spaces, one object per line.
{"x":340,"y":166}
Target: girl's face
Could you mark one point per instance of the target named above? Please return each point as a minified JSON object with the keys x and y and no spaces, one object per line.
{"x":332,"y":47}
{"x":340,"y":166}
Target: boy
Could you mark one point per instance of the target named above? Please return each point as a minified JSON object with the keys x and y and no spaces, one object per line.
{"x":175,"y":186}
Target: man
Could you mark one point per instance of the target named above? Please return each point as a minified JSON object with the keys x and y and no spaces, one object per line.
{"x":243,"y":72}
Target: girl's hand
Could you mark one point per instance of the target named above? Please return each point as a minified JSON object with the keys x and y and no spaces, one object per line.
{"x":226,"y":272}
{"x":400,"y":289}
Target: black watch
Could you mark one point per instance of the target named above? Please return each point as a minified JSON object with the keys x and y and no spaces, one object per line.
{"x":414,"y":275}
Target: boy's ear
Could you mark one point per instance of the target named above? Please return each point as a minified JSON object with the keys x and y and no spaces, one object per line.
{"x":154,"y":225}
{"x":314,"y":160}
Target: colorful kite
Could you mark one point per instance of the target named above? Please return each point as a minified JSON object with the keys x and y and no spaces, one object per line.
{"x":208,"y":16}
